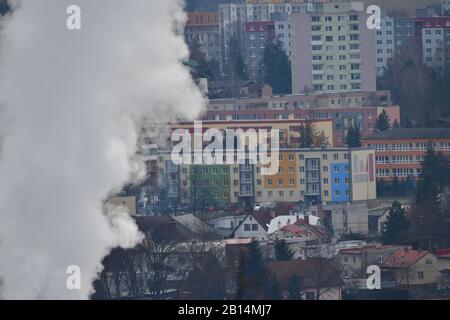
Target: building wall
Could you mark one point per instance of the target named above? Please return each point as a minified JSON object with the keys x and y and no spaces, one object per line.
{"x":348,"y":217}
{"x":129,"y":203}
{"x":296,"y":180}
{"x":333,"y":293}
{"x":363,"y":175}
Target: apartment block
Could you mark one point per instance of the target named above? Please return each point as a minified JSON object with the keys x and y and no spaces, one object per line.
{"x":233,"y":17}
{"x":384,"y":44}
{"x":433,"y":37}
{"x":202,"y":29}
{"x":400,"y":152}
{"x":403,"y":30}
{"x":314,"y":176}
{"x":289,"y":130}
{"x":283,"y":32}
{"x":257,"y":36}
{"x":333,"y":49}
{"x":359,"y":109}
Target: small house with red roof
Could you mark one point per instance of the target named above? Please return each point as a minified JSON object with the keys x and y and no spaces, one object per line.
{"x":301,"y":230}
{"x":412,"y":267}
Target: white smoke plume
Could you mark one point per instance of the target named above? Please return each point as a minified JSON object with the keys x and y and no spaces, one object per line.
{"x":69,"y":100}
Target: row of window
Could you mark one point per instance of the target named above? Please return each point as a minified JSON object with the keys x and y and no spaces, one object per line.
{"x":336,"y":181}
{"x":422,"y":146}
{"x":352,"y":17}
{"x":403,"y":172}
{"x":398,"y":159}
{"x":281,"y":193}
{"x":353,"y":86}
{"x":318,"y":37}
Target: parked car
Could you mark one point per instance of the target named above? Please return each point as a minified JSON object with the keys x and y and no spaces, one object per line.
{"x":257,"y":206}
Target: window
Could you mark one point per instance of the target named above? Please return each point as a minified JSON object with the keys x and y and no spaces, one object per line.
{"x":254,"y":227}
{"x":247,"y":227}
{"x":420,"y":275}
{"x":310,"y":295}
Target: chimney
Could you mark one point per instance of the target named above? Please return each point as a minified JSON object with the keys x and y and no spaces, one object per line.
{"x":272,"y":214}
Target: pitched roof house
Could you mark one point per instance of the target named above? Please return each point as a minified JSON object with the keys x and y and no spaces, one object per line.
{"x":412,"y":267}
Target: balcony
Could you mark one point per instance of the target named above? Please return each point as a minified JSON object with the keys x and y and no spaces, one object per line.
{"x":246,"y":168}
{"x":246,"y":194}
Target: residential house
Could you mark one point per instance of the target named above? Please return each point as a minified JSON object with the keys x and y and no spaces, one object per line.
{"x":354,"y":261}
{"x":254,"y":225}
{"x":412,"y":267}
{"x":443,"y":258}
{"x":319,"y":277}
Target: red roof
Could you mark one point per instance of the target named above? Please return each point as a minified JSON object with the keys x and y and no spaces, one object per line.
{"x":443,"y":252}
{"x":404,"y":257}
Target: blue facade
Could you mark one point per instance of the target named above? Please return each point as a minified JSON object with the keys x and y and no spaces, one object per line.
{"x":340,"y":190}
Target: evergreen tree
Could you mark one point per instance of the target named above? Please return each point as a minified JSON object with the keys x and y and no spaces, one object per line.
{"x":382,"y":123}
{"x":235,"y":69}
{"x":353,"y":137}
{"x":282,"y":251}
{"x":306,"y":136}
{"x":271,"y":288}
{"x":429,"y":223}
{"x":293,"y":288}
{"x":396,"y":226}
{"x":276,"y":68}
{"x":253,"y":273}
{"x":207,"y":280}
{"x":395,"y":187}
{"x":381,"y":188}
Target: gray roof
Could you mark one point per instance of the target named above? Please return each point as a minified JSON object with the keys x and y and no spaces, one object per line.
{"x":414,"y":133}
{"x":193,"y":223}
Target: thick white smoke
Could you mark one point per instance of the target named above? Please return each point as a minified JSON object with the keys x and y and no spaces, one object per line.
{"x":68,"y":101}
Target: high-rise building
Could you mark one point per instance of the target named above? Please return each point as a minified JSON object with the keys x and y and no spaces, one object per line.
{"x":433,"y":37}
{"x":333,"y":49}
{"x":257,"y":36}
{"x":283,"y":32}
{"x":233,"y":17}
{"x":384,"y":44}
{"x":202,"y":29}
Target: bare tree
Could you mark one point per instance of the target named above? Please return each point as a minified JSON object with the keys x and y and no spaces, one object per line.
{"x":158,"y":253}
{"x":321,"y":271}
